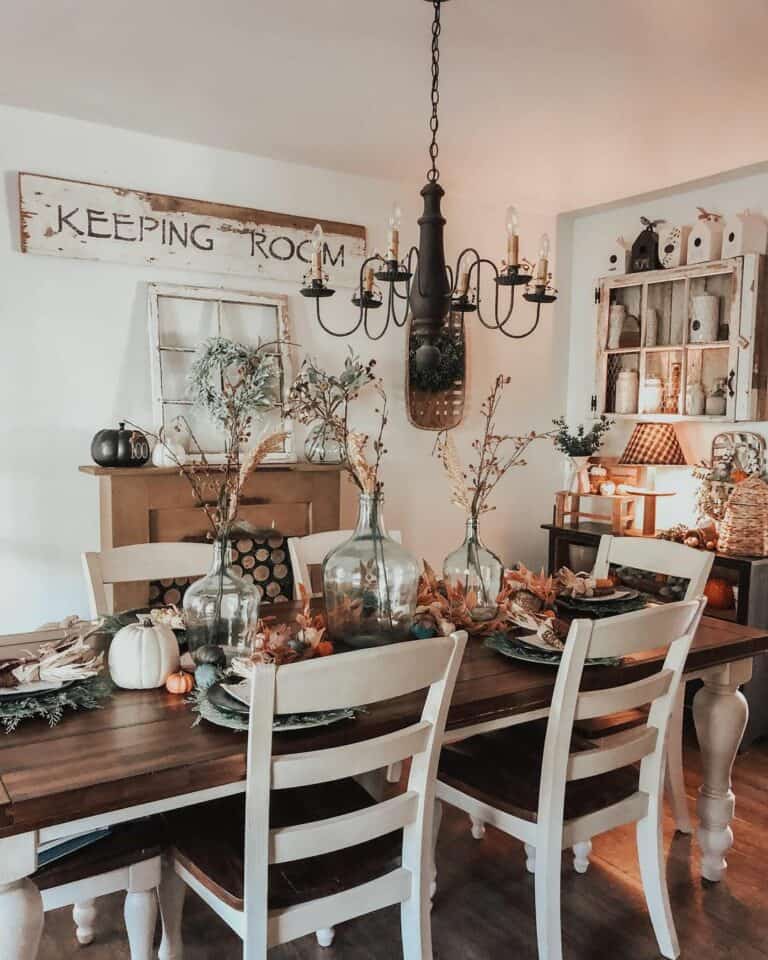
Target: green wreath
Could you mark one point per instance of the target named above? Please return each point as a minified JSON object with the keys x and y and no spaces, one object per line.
{"x":446,"y":372}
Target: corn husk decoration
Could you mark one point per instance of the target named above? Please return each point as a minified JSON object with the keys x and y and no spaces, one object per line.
{"x":68,"y":659}
{"x":270,"y":444}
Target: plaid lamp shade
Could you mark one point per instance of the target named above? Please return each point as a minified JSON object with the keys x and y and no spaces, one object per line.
{"x":653,"y":444}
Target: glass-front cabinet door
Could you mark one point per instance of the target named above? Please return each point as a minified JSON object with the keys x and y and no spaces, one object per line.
{"x":683,"y":343}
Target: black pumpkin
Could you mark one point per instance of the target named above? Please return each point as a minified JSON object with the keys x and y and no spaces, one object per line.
{"x":210,"y":655}
{"x":120,"y":448}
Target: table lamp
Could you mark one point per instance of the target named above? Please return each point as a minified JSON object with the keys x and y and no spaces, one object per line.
{"x":652,"y":444}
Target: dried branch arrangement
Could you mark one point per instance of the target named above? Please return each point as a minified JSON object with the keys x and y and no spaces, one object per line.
{"x":494,"y":455}
{"x":365,"y":474}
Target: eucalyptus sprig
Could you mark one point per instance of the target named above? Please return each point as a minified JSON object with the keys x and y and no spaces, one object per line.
{"x":580,"y":443}
{"x":495,"y":454}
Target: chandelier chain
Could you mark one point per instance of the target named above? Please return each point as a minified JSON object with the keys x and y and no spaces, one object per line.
{"x":434,"y":174}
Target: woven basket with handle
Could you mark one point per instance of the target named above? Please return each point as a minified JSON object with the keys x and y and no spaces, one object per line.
{"x":744,"y":530}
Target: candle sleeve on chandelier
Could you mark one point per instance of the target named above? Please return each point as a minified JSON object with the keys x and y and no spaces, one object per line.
{"x":393,"y":236}
{"x":512,"y":226}
{"x":542,"y":264}
{"x":317,"y":252}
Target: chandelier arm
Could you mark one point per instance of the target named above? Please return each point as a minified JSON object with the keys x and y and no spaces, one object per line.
{"x":334,"y":333}
{"x":528,"y":332}
{"x":385,"y":325}
{"x":412,"y":253}
{"x":497,"y":325}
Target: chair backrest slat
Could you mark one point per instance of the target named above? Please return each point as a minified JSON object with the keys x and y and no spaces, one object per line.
{"x":656,"y":556}
{"x":335,"y":833}
{"x":320,"y":766}
{"x":642,"y":630}
{"x":600,"y":703}
{"x":602,"y":759}
{"x":312,"y":549}
{"x":366,"y":676}
{"x":139,"y":562}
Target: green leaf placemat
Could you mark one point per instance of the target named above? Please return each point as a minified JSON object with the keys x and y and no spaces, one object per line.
{"x":84,"y":695}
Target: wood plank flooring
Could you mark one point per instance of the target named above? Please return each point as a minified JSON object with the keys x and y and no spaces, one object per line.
{"x":484,"y":905}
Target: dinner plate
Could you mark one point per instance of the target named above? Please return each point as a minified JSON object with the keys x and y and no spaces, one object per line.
{"x":516,"y":649}
{"x":217,"y":696}
{"x":606,"y":597}
{"x":37,"y":689}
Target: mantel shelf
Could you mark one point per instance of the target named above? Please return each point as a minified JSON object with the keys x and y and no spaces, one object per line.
{"x":144,"y":472}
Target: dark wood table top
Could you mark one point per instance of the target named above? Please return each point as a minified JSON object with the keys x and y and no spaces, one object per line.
{"x":142,"y":746}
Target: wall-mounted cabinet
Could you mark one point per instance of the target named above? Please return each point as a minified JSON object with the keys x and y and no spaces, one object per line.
{"x":688,"y":343}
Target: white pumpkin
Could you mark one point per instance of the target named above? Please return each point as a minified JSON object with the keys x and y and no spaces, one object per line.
{"x":143,"y":655}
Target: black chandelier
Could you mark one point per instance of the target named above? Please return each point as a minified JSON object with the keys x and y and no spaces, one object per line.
{"x":421,"y":287}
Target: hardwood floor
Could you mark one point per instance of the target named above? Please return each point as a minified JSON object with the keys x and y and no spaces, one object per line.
{"x":484,"y":905}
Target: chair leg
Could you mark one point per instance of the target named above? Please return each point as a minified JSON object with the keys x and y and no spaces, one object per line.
{"x":581,"y":852}
{"x":675,"y":778}
{"x":478,"y":828}
{"x":437,"y":819}
{"x":171,"y":894}
{"x":651,"y":856}
{"x":394,"y":772}
{"x":140,"y":913}
{"x":325,"y":936}
{"x":547,"y":886}
{"x":416,"y":927}
{"x":530,"y":858}
{"x":84,"y":917}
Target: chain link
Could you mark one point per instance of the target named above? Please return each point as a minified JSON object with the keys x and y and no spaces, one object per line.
{"x":434,"y":174}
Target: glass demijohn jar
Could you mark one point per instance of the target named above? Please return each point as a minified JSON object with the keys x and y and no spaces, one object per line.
{"x":321,"y":445}
{"x":477,"y":570}
{"x":220,"y":607}
{"x":370,"y":583}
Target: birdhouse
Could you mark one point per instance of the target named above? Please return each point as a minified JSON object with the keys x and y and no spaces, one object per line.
{"x":705,"y":241}
{"x":645,"y":249}
{"x":745,"y":233}
{"x":673,"y":246}
{"x":617,"y":258}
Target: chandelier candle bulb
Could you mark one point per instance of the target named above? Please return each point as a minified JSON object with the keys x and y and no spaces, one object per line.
{"x":317,"y":252}
{"x":542,"y":264}
{"x":513,"y":239}
{"x":463,"y":283}
{"x":395,"y":219}
{"x":369,"y":276}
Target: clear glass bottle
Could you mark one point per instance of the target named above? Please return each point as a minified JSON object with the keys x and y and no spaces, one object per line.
{"x":477,"y":570}
{"x":221,"y":606}
{"x":370,"y":583}
{"x":321,"y":446}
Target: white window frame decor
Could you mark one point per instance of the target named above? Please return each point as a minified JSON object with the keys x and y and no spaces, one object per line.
{"x":221,"y":297}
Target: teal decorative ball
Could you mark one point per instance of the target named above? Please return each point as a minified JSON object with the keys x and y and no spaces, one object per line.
{"x":423,"y":631}
{"x":206,"y":675}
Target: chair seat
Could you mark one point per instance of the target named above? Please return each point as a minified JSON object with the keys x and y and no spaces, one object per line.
{"x":503,"y":769}
{"x":208,"y":841}
{"x":126,"y":845}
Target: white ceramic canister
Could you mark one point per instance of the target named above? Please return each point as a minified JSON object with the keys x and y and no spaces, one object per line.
{"x":653,"y":395}
{"x":627,"y":384}
{"x":705,"y":318}
{"x":616,"y":316}
{"x":694,"y":399}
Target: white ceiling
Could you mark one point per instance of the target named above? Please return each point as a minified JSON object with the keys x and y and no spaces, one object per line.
{"x":559,"y":104}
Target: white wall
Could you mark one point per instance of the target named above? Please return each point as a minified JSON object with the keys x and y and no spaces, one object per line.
{"x":74,"y":355}
{"x":583,"y":240}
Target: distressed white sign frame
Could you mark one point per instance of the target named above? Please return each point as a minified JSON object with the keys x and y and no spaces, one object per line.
{"x":163,"y":404}
{"x":90,"y":221}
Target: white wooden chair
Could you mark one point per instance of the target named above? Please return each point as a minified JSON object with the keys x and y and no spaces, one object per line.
{"x":674,"y":559}
{"x":140,"y":561}
{"x":580,"y":789}
{"x":313,"y":549}
{"x":242,"y":860}
{"x":129,"y":859}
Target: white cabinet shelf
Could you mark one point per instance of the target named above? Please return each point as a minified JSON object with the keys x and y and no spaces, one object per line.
{"x":672,"y":299}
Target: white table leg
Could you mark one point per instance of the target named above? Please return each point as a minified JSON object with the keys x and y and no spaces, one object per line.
{"x":21,"y":906}
{"x":720,"y":713}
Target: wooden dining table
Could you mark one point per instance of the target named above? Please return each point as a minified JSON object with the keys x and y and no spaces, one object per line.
{"x":142,"y":754}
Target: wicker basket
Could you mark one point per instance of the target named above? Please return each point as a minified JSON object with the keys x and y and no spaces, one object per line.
{"x":744,"y":530}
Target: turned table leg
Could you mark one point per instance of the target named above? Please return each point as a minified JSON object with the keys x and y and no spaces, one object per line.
{"x":720,"y":713}
{"x":21,"y":906}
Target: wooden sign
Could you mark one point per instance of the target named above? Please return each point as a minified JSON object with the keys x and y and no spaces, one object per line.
{"x":90,"y":221}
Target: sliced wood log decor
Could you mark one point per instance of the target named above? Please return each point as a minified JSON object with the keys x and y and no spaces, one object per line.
{"x":443,"y":409}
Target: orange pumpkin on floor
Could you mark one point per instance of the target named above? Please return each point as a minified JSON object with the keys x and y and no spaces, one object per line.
{"x":180,"y":682}
{"x":719,"y":594}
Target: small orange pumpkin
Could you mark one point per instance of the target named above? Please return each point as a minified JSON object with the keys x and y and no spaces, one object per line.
{"x":719,"y":594}
{"x":738,"y":475}
{"x":180,"y":682}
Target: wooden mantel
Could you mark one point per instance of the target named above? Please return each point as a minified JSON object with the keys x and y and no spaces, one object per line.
{"x":155,"y":504}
